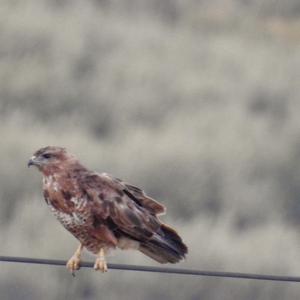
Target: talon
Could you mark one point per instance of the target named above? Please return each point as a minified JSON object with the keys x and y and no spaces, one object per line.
{"x":73,"y":263}
{"x":100,"y":265}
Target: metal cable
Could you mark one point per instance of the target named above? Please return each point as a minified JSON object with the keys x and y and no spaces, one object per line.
{"x":236,"y":275}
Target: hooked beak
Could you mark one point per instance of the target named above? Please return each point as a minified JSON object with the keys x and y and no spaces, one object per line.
{"x":33,"y":161}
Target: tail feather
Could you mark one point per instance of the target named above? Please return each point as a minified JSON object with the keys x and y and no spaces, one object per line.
{"x":165,"y":246}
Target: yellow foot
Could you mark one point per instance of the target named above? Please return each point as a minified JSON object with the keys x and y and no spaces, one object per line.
{"x":73,"y":264}
{"x":100,"y":265}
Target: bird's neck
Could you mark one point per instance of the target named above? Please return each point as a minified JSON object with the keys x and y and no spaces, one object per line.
{"x":62,"y":169}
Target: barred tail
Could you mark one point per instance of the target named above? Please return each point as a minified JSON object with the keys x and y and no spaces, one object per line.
{"x":165,"y":246}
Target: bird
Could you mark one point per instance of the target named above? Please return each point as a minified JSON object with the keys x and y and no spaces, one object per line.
{"x":104,"y":212}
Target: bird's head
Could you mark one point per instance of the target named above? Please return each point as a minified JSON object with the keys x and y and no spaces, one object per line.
{"x":50,"y":158}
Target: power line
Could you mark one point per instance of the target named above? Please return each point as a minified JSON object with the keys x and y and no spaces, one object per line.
{"x":236,"y":275}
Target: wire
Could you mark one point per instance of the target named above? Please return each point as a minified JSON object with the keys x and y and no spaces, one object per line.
{"x":236,"y":275}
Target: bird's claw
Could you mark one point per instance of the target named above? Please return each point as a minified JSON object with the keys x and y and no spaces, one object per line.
{"x":100,"y":265}
{"x":73,"y":264}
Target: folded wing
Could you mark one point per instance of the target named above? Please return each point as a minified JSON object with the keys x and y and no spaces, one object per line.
{"x":129,"y":213}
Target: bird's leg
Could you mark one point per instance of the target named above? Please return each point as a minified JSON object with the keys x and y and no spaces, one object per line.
{"x":73,"y":263}
{"x":100,"y":263}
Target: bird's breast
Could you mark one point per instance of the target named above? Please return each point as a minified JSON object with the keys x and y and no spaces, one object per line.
{"x":63,"y":196}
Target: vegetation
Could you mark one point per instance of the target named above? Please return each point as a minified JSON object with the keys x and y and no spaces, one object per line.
{"x":195,"y":101}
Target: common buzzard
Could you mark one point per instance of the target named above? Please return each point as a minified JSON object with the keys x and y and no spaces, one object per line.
{"x":104,"y":212}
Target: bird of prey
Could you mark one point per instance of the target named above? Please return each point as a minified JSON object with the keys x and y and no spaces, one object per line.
{"x":104,"y":212}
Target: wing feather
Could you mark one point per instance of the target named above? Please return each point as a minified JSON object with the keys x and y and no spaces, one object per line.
{"x":146,"y":201}
{"x":128,"y":214}
{"x":138,"y":195}
{"x":112,"y":199}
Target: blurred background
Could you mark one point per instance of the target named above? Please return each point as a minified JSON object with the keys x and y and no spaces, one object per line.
{"x":197,"y":102}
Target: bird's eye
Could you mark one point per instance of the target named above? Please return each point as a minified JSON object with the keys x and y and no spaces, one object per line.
{"x":46,"y":155}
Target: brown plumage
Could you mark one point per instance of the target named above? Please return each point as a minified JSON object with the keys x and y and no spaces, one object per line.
{"x":104,"y":212}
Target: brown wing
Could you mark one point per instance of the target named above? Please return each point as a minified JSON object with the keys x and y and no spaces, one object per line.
{"x":145,"y":201}
{"x":124,"y":212}
{"x":114,"y":202}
